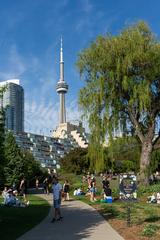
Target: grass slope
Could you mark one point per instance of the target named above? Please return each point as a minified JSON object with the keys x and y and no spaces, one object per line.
{"x":16,"y":221}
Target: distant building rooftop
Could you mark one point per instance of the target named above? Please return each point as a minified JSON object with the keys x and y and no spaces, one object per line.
{"x":15,"y":81}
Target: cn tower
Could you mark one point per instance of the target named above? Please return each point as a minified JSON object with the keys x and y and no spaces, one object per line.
{"x":62,"y":88}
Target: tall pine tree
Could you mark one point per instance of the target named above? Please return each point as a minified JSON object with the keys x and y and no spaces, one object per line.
{"x":19,"y":163}
{"x":2,"y":137}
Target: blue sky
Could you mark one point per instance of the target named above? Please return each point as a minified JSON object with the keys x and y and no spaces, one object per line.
{"x":30,"y":34}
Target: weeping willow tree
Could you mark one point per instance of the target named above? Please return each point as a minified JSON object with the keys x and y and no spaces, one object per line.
{"x":122,"y":89}
{"x":124,"y":154}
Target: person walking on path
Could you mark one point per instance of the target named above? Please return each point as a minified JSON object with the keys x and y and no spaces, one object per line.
{"x":66,"y":190}
{"x":23,"y":190}
{"x":57,"y":192}
{"x":37,"y":183}
{"x":46,"y":186}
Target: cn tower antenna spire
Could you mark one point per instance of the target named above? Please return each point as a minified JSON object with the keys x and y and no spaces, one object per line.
{"x":61,"y":62}
{"x":61,"y":52}
{"x":62,"y":87}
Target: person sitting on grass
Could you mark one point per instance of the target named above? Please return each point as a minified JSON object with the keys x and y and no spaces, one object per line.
{"x":11,"y":199}
{"x":158,"y":197}
{"x":4,"y":195}
{"x":107,"y":192}
{"x":78,"y":192}
{"x":75,"y":193}
{"x":152,"y":198}
{"x":5,"y":192}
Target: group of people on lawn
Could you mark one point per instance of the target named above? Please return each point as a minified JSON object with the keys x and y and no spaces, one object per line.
{"x":91,"y":190}
{"x":11,"y":196}
{"x":62,"y":192}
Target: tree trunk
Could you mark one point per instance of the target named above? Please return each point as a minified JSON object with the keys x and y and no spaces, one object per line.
{"x":145,"y":162}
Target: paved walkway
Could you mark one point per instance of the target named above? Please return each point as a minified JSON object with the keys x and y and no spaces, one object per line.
{"x":80,"y":222}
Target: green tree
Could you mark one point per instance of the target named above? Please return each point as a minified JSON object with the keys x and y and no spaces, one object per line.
{"x":14,"y":167}
{"x":32,"y":167}
{"x":2,"y":136}
{"x":155,"y":161}
{"x":19,"y":163}
{"x":122,"y":75}
{"x":76,"y":161}
{"x":124,"y":154}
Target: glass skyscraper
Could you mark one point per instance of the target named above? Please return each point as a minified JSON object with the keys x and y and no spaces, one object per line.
{"x":13,"y":102}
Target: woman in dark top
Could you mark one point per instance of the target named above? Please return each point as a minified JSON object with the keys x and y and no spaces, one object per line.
{"x":66,"y":190}
{"x":108,"y":192}
{"x":23,"y":189}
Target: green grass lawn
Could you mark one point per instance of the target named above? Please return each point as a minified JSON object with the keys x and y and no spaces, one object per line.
{"x":16,"y":221}
{"x":145,"y":217}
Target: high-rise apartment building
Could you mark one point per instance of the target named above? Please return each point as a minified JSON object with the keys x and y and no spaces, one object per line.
{"x":13,"y":102}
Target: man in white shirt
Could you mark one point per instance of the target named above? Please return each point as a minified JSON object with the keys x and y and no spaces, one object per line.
{"x":57,"y":192}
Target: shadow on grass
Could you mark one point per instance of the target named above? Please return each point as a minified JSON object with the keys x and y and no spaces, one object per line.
{"x":14,"y":221}
{"x":152,"y":219}
{"x":79,"y":222}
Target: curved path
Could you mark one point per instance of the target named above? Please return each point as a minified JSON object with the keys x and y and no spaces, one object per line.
{"x":80,"y":221}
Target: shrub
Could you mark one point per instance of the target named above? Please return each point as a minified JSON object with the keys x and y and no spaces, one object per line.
{"x":149,"y":189}
{"x":149,"y":230}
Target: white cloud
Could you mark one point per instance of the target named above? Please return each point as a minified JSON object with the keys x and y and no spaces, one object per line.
{"x":41,"y":108}
{"x":15,"y":65}
{"x":16,"y":61}
{"x":42,"y":118}
{"x":39,"y":118}
{"x":85,"y":20}
{"x":79,"y":26}
{"x":87,"y":6}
